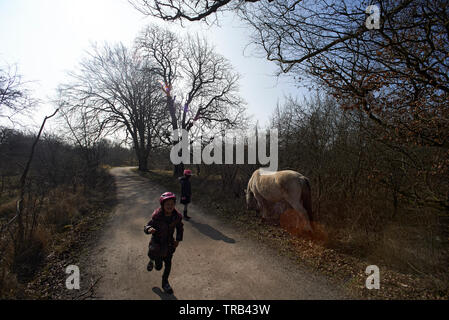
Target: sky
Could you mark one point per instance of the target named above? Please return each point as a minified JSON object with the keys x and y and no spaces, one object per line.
{"x":45,"y":39}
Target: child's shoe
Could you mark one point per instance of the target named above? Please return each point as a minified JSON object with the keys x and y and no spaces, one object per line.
{"x":167,"y":288}
{"x":150,"y":265}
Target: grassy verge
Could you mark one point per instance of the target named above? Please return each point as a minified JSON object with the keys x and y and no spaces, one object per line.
{"x":344,"y":269}
{"x":70,"y":225}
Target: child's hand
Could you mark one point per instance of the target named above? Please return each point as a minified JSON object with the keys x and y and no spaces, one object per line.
{"x":176,"y":243}
{"x":151,"y":230}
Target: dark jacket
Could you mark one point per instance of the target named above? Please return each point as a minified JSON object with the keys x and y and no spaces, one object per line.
{"x":186,"y":191}
{"x":162,"y":241}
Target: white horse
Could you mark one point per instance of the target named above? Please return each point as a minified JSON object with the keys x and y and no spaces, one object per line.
{"x":288,"y":185}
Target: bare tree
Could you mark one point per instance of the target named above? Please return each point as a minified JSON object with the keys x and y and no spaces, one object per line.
{"x":20,"y":238}
{"x":14,"y":96}
{"x":117,"y":89}
{"x":204,"y":80}
{"x":397,"y":74}
{"x":87,"y":133}
{"x":187,"y":10}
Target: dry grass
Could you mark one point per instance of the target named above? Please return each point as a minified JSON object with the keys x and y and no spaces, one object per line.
{"x":61,"y":212}
{"x":7,"y":208}
{"x":64,"y":207}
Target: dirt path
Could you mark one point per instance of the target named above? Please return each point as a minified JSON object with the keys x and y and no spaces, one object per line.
{"x":213,"y":261}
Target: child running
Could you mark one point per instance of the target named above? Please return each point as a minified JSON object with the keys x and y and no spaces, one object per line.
{"x":162,"y":225}
{"x":186,"y":191}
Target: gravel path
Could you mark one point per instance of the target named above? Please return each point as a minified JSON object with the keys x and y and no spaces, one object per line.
{"x":213,"y":261}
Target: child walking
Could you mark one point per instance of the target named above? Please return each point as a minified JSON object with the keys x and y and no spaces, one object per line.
{"x":186,"y":191}
{"x":162,"y":225}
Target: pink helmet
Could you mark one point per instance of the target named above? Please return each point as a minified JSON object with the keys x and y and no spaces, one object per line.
{"x":187,"y":172}
{"x":166,"y":196}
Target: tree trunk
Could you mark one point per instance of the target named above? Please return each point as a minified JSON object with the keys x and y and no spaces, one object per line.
{"x":142,"y":157}
{"x":19,"y":241}
{"x":143,"y":165}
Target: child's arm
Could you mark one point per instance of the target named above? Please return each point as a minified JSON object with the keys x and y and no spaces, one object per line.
{"x":149,"y":229}
{"x":179,"y":231}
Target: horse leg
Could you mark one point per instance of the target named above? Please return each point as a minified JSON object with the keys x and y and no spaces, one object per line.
{"x":265,"y":209}
{"x":270,"y":213}
{"x":259,"y":201}
{"x":296,"y":204}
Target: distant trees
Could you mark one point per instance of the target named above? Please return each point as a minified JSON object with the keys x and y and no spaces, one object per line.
{"x":87,"y":135}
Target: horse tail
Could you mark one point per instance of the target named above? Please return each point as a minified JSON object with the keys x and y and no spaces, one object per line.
{"x":307,"y":199}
